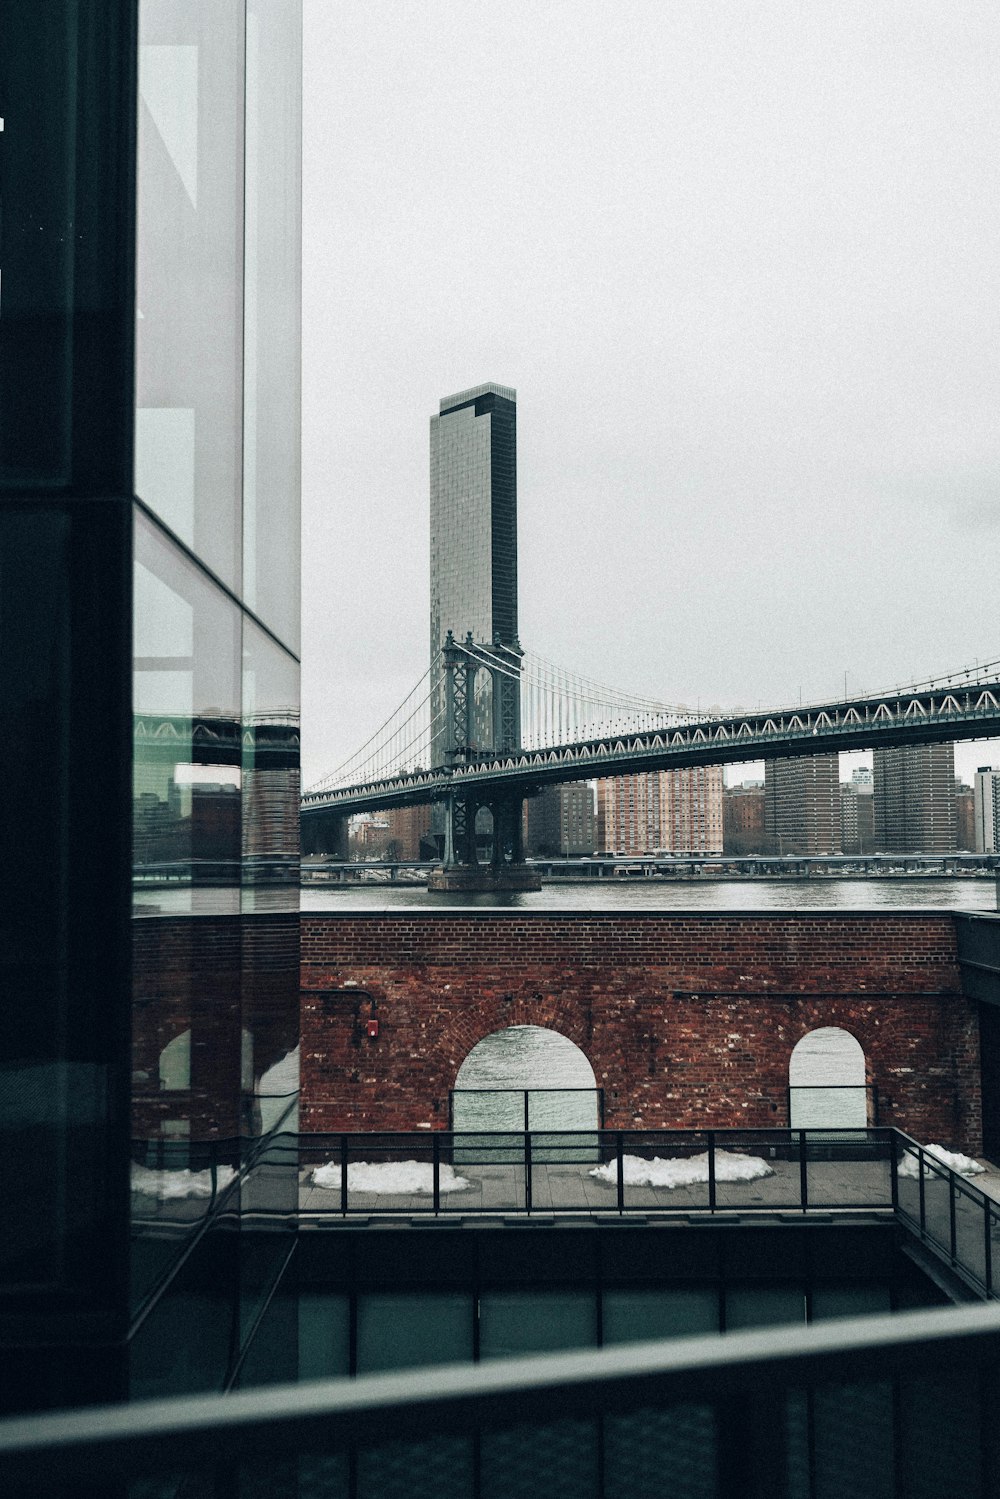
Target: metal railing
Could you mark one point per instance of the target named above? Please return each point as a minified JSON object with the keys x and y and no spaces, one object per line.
{"x":597,"y":1171}
{"x":862,"y":1406}
{"x":952,"y":1217}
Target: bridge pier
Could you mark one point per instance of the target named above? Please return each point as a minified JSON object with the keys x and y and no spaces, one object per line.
{"x":462,"y":870}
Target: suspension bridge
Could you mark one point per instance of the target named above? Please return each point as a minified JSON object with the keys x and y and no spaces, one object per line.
{"x":488,"y":725}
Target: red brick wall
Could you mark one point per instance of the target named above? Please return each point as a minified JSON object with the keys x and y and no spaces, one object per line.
{"x":686,"y":1020}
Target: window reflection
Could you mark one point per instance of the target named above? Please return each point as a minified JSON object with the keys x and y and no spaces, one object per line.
{"x":186,"y":768}
{"x":189,"y":274}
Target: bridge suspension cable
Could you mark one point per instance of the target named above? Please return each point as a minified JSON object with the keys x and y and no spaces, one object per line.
{"x":401,"y":743}
{"x":557,"y":707}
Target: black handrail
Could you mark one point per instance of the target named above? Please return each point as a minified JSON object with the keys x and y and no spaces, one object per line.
{"x":739,"y":1374}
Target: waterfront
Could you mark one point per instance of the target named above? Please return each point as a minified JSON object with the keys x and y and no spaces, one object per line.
{"x":963,"y":894}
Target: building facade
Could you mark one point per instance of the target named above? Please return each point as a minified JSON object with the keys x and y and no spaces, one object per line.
{"x":149,"y":490}
{"x":562,"y":820}
{"x":674,"y":811}
{"x":986,"y":809}
{"x":914,"y":787}
{"x":743,"y":820}
{"x":473,"y":553}
{"x":802,"y":805}
{"x":857,"y":813}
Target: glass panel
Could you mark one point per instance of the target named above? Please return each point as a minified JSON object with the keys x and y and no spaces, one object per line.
{"x":515,"y":1322}
{"x":398,"y":1331}
{"x":270,"y":774}
{"x":862,"y":1300}
{"x":63,"y":954}
{"x":66,"y":329}
{"x":853,"y":1441}
{"x":272,"y":399}
{"x":632,"y":1316}
{"x":186,"y":1342}
{"x":764,"y":1306}
{"x":186,"y":699}
{"x":324,"y":1335}
{"x":189,"y":275}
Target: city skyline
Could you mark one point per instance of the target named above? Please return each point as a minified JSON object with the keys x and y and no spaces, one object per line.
{"x":738,"y":267}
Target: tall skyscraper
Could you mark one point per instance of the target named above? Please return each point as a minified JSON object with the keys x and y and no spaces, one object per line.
{"x":473,"y":507}
{"x":802,"y":805}
{"x":915,"y":799}
{"x":986,"y":809}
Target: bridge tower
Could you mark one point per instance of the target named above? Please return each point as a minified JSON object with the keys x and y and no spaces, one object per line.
{"x":475,"y":654}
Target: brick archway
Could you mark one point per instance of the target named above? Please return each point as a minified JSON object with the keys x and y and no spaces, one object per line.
{"x":687,"y":1021}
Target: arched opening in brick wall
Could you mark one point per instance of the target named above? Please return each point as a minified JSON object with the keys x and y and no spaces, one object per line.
{"x":827,"y":1081}
{"x":525,"y":1073}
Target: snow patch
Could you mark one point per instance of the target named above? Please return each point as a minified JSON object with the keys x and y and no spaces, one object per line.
{"x":408,"y":1178}
{"x":685,"y":1172}
{"x":172,"y":1185}
{"x":963,"y":1164}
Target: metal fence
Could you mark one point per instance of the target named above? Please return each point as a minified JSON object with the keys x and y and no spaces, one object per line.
{"x":889,"y":1407}
{"x":603,"y":1171}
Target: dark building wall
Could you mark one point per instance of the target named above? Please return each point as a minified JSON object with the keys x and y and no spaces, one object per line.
{"x":562,"y":820}
{"x":687,"y":1020}
{"x":802,"y":805}
{"x":743,"y":821}
{"x":915,"y":809}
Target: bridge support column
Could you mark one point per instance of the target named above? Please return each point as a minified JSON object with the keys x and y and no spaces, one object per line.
{"x":461,"y":869}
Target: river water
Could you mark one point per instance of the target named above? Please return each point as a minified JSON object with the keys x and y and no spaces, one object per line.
{"x":959,"y":893}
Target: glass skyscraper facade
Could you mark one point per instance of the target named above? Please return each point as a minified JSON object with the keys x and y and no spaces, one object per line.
{"x":473,"y":506}
{"x":149,"y":565}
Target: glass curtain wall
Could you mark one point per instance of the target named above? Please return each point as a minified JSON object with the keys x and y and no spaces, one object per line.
{"x":149,"y":482}
{"x":216,"y":684}
{"x":66,"y":335}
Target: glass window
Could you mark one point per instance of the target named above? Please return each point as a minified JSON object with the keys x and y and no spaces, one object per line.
{"x":674,"y":1311}
{"x":270,"y":774}
{"x":764,"y":1306}
{"x":189,"y":275}
{"x":864,"y":1300}
{"x":272,"y":395}
{"x":324,"y":1335}
{"x":516,"y":1322}
{"x":66,"y":329}
{"x":186,"y":701}
{"x":399,"y":1331}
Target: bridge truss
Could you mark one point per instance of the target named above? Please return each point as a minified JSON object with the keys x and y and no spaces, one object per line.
{"x":563,"y":737}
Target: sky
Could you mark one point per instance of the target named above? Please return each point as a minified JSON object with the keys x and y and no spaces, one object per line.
{"x":739,"y":260}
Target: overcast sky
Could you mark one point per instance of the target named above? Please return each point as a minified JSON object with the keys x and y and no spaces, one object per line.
{"x":740,"y":261}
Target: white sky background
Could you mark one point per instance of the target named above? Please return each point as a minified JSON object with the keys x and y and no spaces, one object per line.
{"x":739,"y":259}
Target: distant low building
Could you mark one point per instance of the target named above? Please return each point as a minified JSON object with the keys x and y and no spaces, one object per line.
{"x":965,"y":817}
{"x":986,"y":804}
{"x":743,"y":820}
{"x":857,"y":813}
{"x":408,"y":832}
{"x":562,"y":820}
